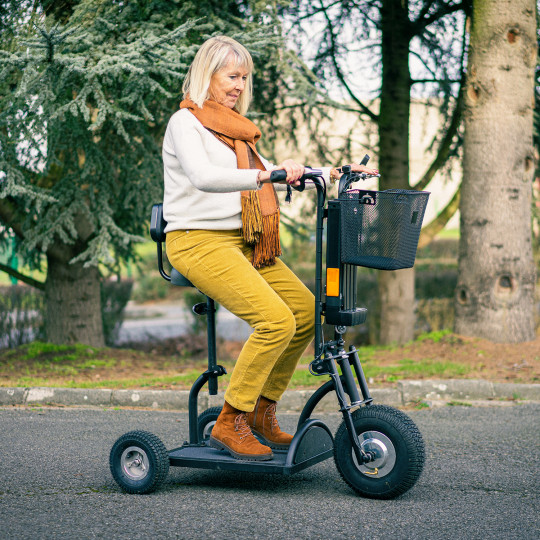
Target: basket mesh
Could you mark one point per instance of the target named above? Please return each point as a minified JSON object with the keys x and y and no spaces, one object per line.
{"x":380,"y":229}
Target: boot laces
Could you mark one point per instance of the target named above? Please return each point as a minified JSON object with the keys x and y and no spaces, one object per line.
{"x":241,"y":426}
{"x":271,"y":415}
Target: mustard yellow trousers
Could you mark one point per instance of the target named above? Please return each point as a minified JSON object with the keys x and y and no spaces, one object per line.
{"x":272,"y":300}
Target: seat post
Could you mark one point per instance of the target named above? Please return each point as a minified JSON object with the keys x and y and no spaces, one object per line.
{"x":211,"y":340}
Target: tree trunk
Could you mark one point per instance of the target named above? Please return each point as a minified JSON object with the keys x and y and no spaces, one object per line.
{"x":495,"y":291}
{"x":73,"y":304}
{"x":396,"y":289}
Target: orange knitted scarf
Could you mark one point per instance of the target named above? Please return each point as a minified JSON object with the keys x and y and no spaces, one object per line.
{"x":260,"y":208}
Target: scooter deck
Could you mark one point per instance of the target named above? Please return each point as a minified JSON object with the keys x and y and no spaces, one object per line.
{"x":312,"y":444}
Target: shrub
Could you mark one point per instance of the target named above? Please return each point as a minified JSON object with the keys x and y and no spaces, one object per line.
{"x":22,"y":307}
{"x":21,"y":315}
{"x":114,"y":297}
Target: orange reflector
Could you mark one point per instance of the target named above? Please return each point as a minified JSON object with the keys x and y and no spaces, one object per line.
{"x":332,"y":282}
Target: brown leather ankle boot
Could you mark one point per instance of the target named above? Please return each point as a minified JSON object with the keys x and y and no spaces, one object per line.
{"x":232,"y":433}
{"x":264,"y":424}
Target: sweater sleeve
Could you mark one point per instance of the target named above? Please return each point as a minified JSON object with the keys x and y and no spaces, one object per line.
{"x":209,"y":170}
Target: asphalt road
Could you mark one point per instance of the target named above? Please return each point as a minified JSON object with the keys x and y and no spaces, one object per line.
{"x":481,"y":481}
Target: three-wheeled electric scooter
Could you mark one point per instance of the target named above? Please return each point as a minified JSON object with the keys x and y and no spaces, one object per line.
{"x":378,"y":450}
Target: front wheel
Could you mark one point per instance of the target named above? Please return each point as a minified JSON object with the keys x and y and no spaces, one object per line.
{"x":139,"y":462}
{"x":396,"y":444}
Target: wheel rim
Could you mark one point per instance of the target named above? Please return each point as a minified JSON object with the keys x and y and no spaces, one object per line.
{"x":207,"y":430}
{"x":382,"y":448}
{"x":135,"y":463}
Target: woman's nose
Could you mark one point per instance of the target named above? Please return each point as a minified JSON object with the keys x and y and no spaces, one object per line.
{"x":240,"y":84}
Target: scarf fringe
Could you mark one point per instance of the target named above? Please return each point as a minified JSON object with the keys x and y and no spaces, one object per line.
{"x":269,"y":247}
{"x":252,"y":218}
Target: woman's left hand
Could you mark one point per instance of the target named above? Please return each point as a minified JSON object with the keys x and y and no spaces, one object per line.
{"x":335,"y":174}
{"x":364,"y":169}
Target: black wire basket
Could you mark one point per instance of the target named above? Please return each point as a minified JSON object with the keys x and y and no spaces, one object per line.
{"x":380,"y":229}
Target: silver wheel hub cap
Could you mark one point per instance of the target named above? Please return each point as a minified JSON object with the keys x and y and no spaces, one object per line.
{"x":134,"y":463}
{"x":381,"y":448}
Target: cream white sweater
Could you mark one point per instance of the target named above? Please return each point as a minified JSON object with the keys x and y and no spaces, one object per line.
{"x":202,"y":181}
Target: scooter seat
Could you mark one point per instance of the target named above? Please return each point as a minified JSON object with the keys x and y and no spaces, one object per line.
{"x":178,"y":279}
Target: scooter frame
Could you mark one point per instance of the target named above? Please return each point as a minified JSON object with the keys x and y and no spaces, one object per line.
{"x":313,"y":441}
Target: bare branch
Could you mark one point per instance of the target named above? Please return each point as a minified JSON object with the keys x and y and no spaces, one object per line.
{"x":444,"y":147}
{"x":21,"y":277}
{"x":437,"y":225}
{"x":420,"y":24}
{"x":333,"y":54}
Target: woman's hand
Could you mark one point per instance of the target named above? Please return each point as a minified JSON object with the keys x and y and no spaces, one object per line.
{"x":335,"y":174}
{"x":294,"y":172}
{"x":364,"y":169}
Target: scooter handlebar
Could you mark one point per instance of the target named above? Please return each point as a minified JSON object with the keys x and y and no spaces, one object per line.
{"x":279,"y":175}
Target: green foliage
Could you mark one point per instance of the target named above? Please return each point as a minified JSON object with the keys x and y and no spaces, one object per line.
{"x":84,"y":101}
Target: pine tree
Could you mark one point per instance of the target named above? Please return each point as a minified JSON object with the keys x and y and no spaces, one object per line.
{"x":86,"y":89}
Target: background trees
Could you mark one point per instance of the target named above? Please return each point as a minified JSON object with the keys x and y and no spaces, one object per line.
{"x":495,"y":292}
{"x":87,"y":87}
{"x":381,"y":37}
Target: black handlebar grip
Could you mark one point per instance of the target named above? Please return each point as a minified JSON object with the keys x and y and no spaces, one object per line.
{"x":278,"y":175}
{"x":364,"y":160}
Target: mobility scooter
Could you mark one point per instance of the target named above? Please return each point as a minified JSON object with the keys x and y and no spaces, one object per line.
{"x":378,"y":450}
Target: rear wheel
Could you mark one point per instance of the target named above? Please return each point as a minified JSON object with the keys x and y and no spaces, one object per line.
{"x":396,"y":444}
{"x":139,"y":462}
{"x":206,"y":422}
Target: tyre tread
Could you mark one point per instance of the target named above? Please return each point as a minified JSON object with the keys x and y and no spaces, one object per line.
{"x":412,"y":438}
{"x":161,"y":460}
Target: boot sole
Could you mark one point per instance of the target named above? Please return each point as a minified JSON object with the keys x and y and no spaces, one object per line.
{"x":270,"y":444}
{"x":214,"y":443}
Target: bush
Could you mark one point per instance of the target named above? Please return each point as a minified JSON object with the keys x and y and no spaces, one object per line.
{"x":199,"y":323}
{"x":21,"y":316}
{"x":150,"y":287}
{"x":22,"y":307}
{"x":114,"y":297}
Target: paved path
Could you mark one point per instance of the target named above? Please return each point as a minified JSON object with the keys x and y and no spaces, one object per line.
{"x":480,"y":482}
{"x":162,"y":321}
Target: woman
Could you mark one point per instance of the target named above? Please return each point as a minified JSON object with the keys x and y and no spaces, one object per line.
{"x":223,"y":235}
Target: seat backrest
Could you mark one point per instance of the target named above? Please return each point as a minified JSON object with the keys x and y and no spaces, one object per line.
{"x":157,"y":223}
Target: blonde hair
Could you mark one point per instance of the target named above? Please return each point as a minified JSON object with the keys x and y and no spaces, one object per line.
{"x":213,"y":56}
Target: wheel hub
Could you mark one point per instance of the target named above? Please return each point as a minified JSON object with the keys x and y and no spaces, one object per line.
{"x":134,"y":463}
{"x":380,"y":448}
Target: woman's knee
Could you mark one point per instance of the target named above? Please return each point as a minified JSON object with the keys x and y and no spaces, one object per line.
{"x":280,"y":323}
{"x":305,"y":315}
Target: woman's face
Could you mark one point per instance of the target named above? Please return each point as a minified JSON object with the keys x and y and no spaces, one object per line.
{"x":227,"y":84}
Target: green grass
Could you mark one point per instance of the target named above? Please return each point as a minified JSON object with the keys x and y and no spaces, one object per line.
{"x":448,"y":233}
{"x":435,"y":336}
{"x":413,"y":369}
{"x":46,"y":364}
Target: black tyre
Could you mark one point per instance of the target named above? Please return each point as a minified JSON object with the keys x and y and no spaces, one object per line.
{"x":398,"y":447}
{"x":139,"y":462}
{"x":206,"y":421}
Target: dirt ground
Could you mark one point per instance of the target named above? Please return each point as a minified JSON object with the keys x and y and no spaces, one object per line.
{"x":496,"y":362}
